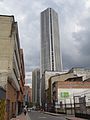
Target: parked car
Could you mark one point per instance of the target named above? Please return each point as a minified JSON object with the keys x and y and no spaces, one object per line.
{"x":29,"y":109}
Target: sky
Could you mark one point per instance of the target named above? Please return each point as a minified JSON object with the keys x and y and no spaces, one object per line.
{"x":74,"y":27}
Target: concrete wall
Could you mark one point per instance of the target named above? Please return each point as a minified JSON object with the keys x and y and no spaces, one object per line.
{"x":9,"y":61}
{"x":5,"y":43}
{"x":6,"y":48}
{"x":9,"y":49}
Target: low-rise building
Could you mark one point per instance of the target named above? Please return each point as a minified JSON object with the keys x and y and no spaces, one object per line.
{"x":10,"y":63}
{"x":27,"y":95}
{"x":44,"y":83}
{"x":61,"y":88}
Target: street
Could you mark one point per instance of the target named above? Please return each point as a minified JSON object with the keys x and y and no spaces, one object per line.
{"x":34,"y":115}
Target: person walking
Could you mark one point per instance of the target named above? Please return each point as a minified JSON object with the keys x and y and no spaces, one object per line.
{"x":25,"y":110}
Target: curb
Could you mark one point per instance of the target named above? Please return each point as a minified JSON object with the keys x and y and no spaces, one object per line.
{"x":75,"y":118}
{"x":68,"y":119}
{"x":54,"y":114}
{"x":28,"y":118}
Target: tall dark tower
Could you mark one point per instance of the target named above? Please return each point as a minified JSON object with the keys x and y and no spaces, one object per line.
{"x":50,"y":41}
{"x":50,"y":46}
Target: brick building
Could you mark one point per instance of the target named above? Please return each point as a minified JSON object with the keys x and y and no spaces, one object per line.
{"x":61,"y":88}
{"x":27,"y":95}
{"x":2,"y":103}
{"x":10,"y":63}
{"x":21,"y":83}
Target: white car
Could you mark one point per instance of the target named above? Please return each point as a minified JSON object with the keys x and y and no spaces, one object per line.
{"x":29,"y":109}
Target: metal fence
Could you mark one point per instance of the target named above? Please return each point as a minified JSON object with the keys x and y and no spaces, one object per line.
{"x":78,"y":105}
{"x":82,"y":105}
{"x":65,"y":108}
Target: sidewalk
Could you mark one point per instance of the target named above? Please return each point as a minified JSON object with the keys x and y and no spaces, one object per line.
{"x":22,"y":117}
{"x":75,"y":118}
{"x":68,"y":117}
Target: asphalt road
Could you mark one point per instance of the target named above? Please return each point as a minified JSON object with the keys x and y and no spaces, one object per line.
{"x":34,"y":115}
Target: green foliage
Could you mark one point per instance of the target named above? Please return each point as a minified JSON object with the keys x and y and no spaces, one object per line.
{"x":29,"y":104}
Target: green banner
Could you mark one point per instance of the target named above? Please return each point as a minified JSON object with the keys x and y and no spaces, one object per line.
{"x":64,"y":94}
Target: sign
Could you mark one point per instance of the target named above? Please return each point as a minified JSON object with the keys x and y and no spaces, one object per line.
{"x":64,"y":94}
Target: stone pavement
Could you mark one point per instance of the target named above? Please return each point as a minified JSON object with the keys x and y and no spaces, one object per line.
{"x":22,"y":117}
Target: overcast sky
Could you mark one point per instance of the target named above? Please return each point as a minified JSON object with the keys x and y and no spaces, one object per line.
{"x":74,"y":22}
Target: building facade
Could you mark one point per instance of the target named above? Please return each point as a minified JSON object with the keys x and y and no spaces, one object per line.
{"x":21,"y":83}
{"x":50,"y":41}
{"x":27,"y":95}
{"x":62,"y":88}
{"x":36,"y":86}
{"x":2,"y":103}
{"x":64,"y":94}
{"x":10,"y":63}
{"x":50,"y":46}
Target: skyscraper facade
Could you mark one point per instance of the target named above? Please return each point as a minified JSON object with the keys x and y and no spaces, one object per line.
{"x":50,"y":47}
{"x":50,"y":41}
{"x":36,"y":86}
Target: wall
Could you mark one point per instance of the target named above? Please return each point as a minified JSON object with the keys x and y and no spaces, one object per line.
{"x":2,"y":103}
{"x":11,"y":97}
{"x":5,"y":43}
{"x":71,"y":88}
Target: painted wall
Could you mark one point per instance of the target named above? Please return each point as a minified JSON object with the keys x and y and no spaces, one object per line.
{"x":66,"y":95}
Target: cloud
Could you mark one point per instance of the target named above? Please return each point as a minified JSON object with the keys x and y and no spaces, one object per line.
{"x":74,"y":25}
{"x":74,"y":48}
{"x":82,"y":39}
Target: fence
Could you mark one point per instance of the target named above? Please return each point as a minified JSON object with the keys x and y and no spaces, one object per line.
{"x":65,"y":107}
{"x":82,"y":105}
{"x":78,"y":105}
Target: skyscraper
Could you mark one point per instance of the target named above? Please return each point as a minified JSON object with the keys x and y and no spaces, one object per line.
{"x":50,"y":46}
{"x":50,"y":42}
{"x":36,"y":86}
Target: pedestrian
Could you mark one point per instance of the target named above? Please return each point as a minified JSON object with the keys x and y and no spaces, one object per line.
{"x":25,"y":110}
